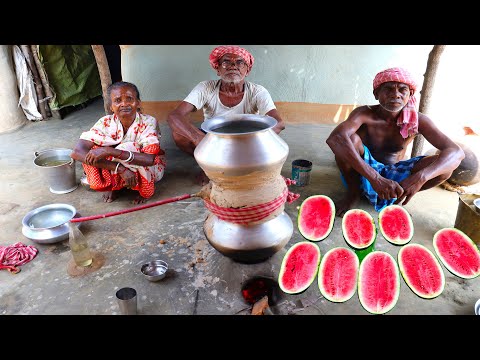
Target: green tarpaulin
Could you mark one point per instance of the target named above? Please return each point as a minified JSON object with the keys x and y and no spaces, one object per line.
{"x":72,"y":73}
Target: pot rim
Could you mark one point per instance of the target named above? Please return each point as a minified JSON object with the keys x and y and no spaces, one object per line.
{"x":211,"y":124}
{"x":34,"y":212}
{"x":42,"y":154}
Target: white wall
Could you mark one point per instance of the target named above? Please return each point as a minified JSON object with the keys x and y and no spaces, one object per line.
{"x":12,"y":115}
{"x":326,"y":74}
{"x":456,"y":95}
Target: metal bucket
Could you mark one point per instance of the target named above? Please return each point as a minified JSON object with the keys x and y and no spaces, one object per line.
{"x":468,"y":219}
{"x":58,"y":169}
{"x":301,"y":172}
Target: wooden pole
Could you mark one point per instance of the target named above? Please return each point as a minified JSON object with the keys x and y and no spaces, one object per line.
{"x":43,"y":78}
{"x":426,"y":92}
{"x":36,"y":78}
{"x":104,"y":72}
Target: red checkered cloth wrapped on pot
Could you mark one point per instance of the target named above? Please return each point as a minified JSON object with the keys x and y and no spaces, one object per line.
{"x":253,"y":213}
{"x":15,"y":255}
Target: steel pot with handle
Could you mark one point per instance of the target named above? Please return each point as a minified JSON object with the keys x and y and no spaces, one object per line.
{"x":58,"y":169}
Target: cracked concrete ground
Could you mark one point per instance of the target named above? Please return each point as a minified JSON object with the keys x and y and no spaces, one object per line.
{"x":200,"y":280}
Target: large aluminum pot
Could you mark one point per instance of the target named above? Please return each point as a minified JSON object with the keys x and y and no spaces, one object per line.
{"x":58,"y":169}
{"x":248,"y":244}
{"x":243,"y":158}
{"x":238,"y":145}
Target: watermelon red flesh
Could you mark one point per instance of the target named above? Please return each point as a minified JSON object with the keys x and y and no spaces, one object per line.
{"x":358,"y":228}
{"x":378,"y":282}
{"x":421,"y":271}
{"x":316,"y":217}
{"x":457,"y":252}
{"x":299,"y":267}
{"x":338,"y":274}
{"x":395,"y":224}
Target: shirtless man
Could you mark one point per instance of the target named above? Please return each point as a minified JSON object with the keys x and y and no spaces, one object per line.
{"x":231,"y":94}
{"x":371,"y":144}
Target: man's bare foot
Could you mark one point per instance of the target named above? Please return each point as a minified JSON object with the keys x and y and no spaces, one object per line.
{"x":345,"y":204}
{"x":110,"y":196}
{"x":139,"y":200}
{"x":201,"y":178}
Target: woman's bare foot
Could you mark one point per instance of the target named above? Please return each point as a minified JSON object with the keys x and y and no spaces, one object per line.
{"x":201,"y":178}
{"x":139,"y":200}
{"x":345,"y":204}
{"x":110,"y":196}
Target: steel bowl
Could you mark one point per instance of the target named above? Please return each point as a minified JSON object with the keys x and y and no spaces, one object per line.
{"x":476,"y":204}
{"x":49,"y":224}
{"x":154,"y":270}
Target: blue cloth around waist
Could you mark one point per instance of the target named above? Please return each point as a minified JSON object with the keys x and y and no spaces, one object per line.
{"x":397,"y":172}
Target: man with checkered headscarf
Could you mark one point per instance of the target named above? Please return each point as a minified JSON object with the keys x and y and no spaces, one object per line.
{"x":229,"y":95}
{"x":370,"y":146}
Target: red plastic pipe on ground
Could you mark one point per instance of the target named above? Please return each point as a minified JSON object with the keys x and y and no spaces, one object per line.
{"x":141,"y":207}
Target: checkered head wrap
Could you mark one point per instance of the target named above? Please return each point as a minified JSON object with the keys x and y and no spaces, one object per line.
{"x":408,"y":119}
{"x":219,"y":51}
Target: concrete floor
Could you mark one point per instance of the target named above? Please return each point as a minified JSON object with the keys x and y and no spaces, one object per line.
{"x":192,"y":286}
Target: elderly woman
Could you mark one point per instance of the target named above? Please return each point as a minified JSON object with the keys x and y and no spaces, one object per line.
{"x":231,"y":94}
{"x":122,"y":150}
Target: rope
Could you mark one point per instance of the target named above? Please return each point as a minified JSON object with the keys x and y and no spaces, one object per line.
{"x":253,"y":213}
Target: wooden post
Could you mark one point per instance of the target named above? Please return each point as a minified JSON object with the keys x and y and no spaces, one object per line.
{"x":426,"y":92}
{"x":104,"y":71}
{"x":36,"y":78}
{"x":43,"y":78}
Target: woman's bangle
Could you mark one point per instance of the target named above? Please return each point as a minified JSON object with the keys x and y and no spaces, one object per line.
{"x":130,"y":157}
{"x":116,"y":168}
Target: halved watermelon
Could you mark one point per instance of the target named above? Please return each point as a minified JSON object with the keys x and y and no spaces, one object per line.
{"x":378,"y":282}
{"x":299,"y":267}
{"x":358,"y":228}
{"x":316,"y":217}
{"x":458,"y":252}
{"x":395,"y":224}
{"x":338,"y":274}
{"x":421,"y":270}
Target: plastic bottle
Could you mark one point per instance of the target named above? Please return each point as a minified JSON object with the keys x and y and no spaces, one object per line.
{"x":79,"y":246}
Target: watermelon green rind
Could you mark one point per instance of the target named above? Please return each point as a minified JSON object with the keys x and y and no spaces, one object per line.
{"x":384,"y":213}
{"x":425,"y":277}
{"x":325,"y":221}
{"x":367,"y":267}
{"x":346,"y":217}
{"x":343,"y":276}
{"x":450,"y":257}
{"x":311,"y":269}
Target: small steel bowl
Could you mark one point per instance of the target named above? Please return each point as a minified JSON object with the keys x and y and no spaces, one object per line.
{"x":476,"y":204}
{"x":154,"y":270}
